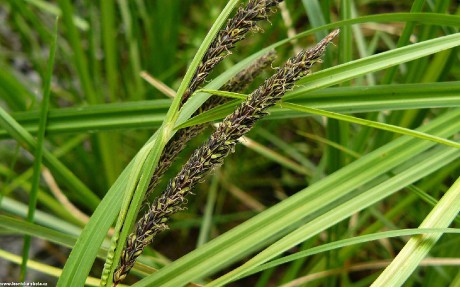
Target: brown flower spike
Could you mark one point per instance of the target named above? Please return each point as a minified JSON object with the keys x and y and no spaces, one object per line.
{"x":212,"y":153}
{"x":244,"y":21}
{"x":237,"y":84}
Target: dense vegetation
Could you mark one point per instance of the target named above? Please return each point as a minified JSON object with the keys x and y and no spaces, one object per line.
{"x":352,"y":179}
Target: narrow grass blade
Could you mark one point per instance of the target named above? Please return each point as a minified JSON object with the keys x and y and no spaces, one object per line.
{"x":43,"y":268}
{"x":128,"y":115}
{"x":110,"y":60}
{"x":106,"y":145}
{"x":150,"y":114}
{"x":378,"y":125}
{"x":418,"y":247}
{"x":404,"y":39}
{"x":39,"y":149}
{"x":35,"y":230}
{"x":22,"y":136}
{"x":58,"y":237}
{"x":13,"y":92}
{"x":16,"y":208}
{"x":352,"y":241}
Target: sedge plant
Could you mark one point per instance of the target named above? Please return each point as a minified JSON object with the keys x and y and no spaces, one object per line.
{"x":344,"y":177}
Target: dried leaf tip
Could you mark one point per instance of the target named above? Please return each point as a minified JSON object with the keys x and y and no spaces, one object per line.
{"x":331,"y":35}
{"x":319,"y":48}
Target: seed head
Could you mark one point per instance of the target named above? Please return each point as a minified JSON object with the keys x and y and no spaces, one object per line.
{"x":212,"y":153}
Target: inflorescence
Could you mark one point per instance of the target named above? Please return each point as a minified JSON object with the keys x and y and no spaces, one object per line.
{"x":213,"y":152}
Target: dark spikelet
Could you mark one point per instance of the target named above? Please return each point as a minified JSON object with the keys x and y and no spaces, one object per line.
{"x":237,"y":84}
{"x":244,"y":21}
{"x":212,"y":153}
{"x":240,"y":82}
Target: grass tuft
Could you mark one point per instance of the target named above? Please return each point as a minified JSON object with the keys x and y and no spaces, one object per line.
{"x":332,"y":174}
